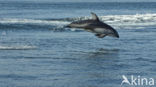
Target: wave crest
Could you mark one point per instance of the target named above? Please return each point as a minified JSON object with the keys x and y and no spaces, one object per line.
{"x":25,"y":47}
{"x":117,"y":21}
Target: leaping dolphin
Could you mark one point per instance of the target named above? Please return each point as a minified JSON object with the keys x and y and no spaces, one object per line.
{"x":96,"y":26}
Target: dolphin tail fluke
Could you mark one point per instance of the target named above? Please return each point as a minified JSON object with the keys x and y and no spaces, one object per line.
{"x":67,"y":26}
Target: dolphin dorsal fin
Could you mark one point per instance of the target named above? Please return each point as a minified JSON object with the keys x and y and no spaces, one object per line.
{"x":94,"y":16}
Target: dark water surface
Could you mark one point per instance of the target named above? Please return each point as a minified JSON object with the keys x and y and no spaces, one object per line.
{"x":37,"y":51}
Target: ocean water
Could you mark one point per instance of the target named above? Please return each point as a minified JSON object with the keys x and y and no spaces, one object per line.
{"x":37,"y":51}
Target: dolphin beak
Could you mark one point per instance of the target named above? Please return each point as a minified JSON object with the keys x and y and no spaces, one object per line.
{"x":117,"y":35}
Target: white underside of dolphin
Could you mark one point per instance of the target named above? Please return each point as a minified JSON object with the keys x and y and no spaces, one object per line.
{"x":96,"y":26}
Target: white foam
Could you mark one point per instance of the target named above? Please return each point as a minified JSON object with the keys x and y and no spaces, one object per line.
{"x":117,"y":21}
{"x":25,"y":47}
{"x":31,"y":21}
{"x":129,"y":21}
{"x":130,"y":18}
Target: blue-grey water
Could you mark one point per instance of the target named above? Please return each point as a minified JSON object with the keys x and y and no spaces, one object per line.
{"x":37,"y":51}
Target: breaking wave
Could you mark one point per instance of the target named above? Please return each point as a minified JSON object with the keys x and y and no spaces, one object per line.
{"x":117,"y":21}
{"x":131,"y":21}
{"x":31,"y":21}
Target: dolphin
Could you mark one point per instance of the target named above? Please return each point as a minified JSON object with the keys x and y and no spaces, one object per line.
{"x":95,"y":26}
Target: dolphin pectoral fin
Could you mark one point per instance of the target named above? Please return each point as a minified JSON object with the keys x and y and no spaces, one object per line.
{"x":94,"y":16}
{"x":89,"y":30}
{"x":100,"y":35}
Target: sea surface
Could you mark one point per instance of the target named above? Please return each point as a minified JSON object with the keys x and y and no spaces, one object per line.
{"x":37,"y":51}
